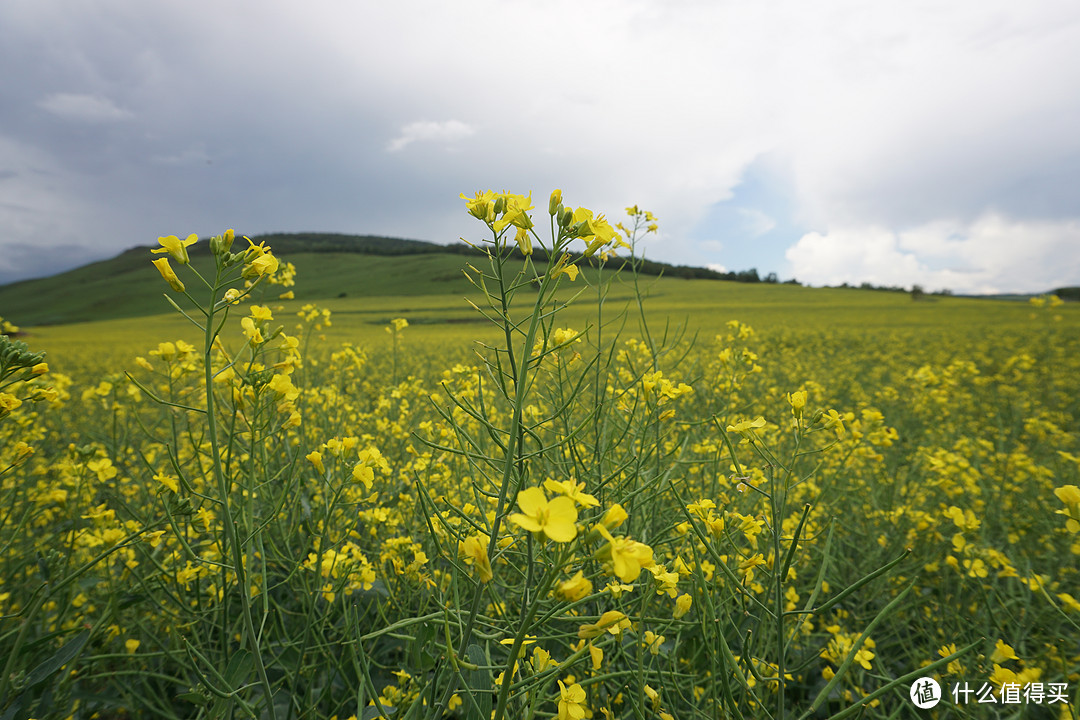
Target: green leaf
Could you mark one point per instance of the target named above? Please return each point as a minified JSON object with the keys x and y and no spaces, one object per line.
{"x":239,"y":669}
{"x":480,"y":690}
{"x":60,"y":658}
{"x":195,"y":698}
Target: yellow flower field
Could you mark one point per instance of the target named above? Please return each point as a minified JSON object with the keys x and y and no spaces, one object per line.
{"x":595,"y":502}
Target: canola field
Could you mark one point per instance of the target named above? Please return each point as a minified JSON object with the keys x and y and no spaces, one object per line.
{"x":578,"y":493}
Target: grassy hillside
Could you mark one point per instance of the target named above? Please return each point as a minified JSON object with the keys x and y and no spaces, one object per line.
{"x":347,"y":269}
{"x":328,"y":267}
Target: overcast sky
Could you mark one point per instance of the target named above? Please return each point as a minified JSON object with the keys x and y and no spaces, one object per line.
{"x":830,"y":141}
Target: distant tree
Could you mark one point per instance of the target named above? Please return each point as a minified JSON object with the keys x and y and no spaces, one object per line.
{"x":771,"y":278}
{"x":1068,"y":293}
{"x":917,"y":292}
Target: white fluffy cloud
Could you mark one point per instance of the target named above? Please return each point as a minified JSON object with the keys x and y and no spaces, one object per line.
{"x":443,"y":133}
{"x":990,"y":255}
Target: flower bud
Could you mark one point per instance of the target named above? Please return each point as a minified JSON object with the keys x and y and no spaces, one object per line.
{"x":566,"y":217}
{"x":221,"y":244}
{"x":524,"y":242}
{"x":614,"y":517}
{"x":682,"y":605}
{"x":555,"y":203}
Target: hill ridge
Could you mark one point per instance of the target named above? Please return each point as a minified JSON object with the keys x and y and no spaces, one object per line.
{"x":361,"y":265}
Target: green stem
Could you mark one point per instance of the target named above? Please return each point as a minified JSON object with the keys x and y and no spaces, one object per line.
{"x":223,"y":491}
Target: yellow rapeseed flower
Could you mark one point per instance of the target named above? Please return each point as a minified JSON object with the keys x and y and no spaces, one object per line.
{"x":260,"y":260}
{"x":653,"y":642}
{"x":834,"y":420}
{"x":596,"y":655}
{"x":168,"y":481}
{"x":473,"y":551}
{"x":1070,"y":496}
{"x":263,"y":265}
{"x":315,"y":458}
{"x":176,"y":247}
{"x":1071,"y":603}
{"x":515,"y":213}
{"x":554,"y":518}
{"x":261,"y":312}
{"x":162,"y":264}
{"x":362,"y":473}
{"x":614,"y":517}
{"x":625,"y":557}
{"x":745,"y":427}
{"x":8,"y":402}
{"x":572,"y":490}
{"x":612,"y":621}
{"x":1002,"y":652}
{"x":481,"y":207}
{"x":251,"y":330}
{"x":682,"y":605}
{"x":570,"y":271}
{"x":798,"y":402}
{"x":654,"y":696}
{"x":524,"y":242}
{"x":571,"y":702}
{"x":541,"y":660}
{"x":576,"y":587}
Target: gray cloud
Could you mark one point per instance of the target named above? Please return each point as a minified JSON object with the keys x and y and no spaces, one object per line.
{"x":82,"y":107}
{"x":134,"y":120}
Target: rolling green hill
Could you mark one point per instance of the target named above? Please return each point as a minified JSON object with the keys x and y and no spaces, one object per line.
{"x":328,"y":265}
